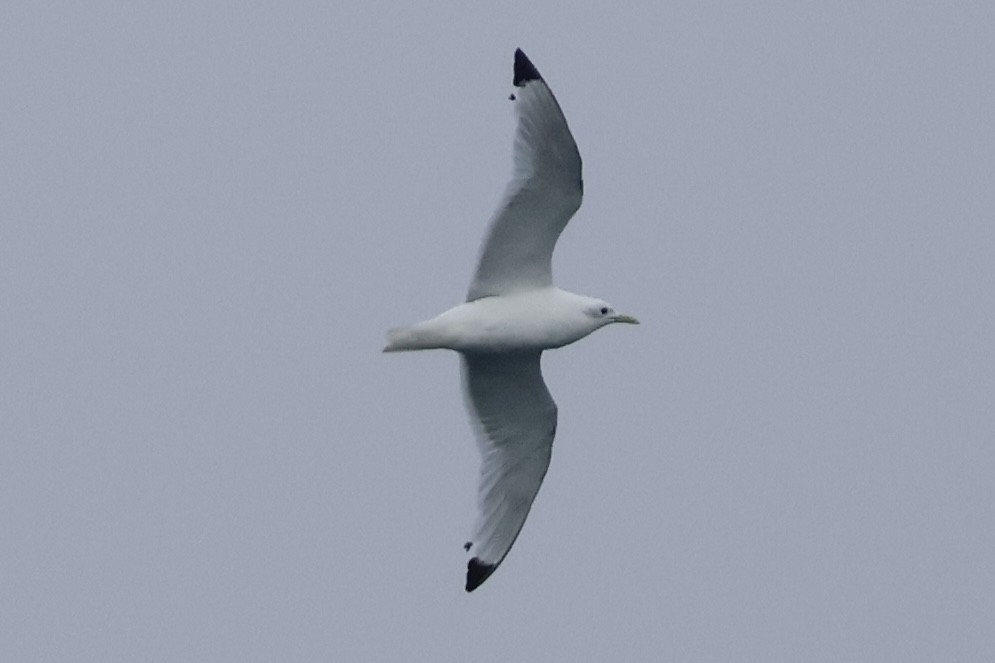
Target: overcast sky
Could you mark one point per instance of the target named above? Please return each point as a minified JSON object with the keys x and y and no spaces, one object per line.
{"x":211,"y":212}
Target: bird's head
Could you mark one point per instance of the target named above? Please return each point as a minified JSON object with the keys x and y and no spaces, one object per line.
{"x":602,"y":313}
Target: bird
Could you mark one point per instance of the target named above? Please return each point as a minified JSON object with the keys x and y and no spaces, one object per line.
{"x":512,"y":314}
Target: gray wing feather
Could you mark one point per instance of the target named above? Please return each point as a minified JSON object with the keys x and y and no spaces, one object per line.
{"x":545,"y":190}
{"x":514,"y":419}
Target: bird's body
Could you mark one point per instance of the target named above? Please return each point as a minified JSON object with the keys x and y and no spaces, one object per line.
{"x":528,"y":321}
{"x":512,"y":314}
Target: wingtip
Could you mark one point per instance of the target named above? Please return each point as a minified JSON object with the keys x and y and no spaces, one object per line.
{"x":477,"y":572}
{"x":524,"y":69}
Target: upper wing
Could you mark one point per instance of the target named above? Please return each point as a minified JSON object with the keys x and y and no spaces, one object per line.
{"x":514,"y":419}
{"x":544,"y":192}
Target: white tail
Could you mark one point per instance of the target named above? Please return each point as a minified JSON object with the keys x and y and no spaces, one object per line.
{"x":402,"y":339}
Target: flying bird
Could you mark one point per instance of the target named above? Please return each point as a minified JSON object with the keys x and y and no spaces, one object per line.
{"x":512,"y":313}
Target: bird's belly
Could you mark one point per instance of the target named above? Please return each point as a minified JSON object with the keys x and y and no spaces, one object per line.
{"x":513,"y":334}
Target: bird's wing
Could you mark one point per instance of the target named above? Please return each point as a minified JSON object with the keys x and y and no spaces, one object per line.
{"x":544,"y":192}
{"x":514,"y":419}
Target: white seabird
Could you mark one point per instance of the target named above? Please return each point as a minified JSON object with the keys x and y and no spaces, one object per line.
{"x":512,"y":313}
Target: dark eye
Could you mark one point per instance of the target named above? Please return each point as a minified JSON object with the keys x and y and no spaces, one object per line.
{"x":604,"y":310}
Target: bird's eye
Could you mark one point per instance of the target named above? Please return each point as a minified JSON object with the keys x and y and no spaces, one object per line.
{"x":604,"y":310}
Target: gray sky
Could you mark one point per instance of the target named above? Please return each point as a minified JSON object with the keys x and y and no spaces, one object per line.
{"x":210,"y":213}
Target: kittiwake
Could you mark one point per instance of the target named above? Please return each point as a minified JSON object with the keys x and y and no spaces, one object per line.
{"x":512,"y":313}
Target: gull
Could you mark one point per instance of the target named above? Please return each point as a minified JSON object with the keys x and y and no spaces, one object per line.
{"x":512,"y":313}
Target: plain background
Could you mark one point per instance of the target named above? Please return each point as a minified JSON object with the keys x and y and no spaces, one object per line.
{"x":211,"y":212}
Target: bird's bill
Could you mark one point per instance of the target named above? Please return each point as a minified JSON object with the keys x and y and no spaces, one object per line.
{"x":627,"y":319}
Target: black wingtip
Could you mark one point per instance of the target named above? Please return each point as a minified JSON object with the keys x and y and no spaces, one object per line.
{"x":477,"y":572}
{"x":524,"y":69}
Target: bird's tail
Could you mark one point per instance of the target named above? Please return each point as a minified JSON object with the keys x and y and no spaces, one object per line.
{"x":402,"y":339}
